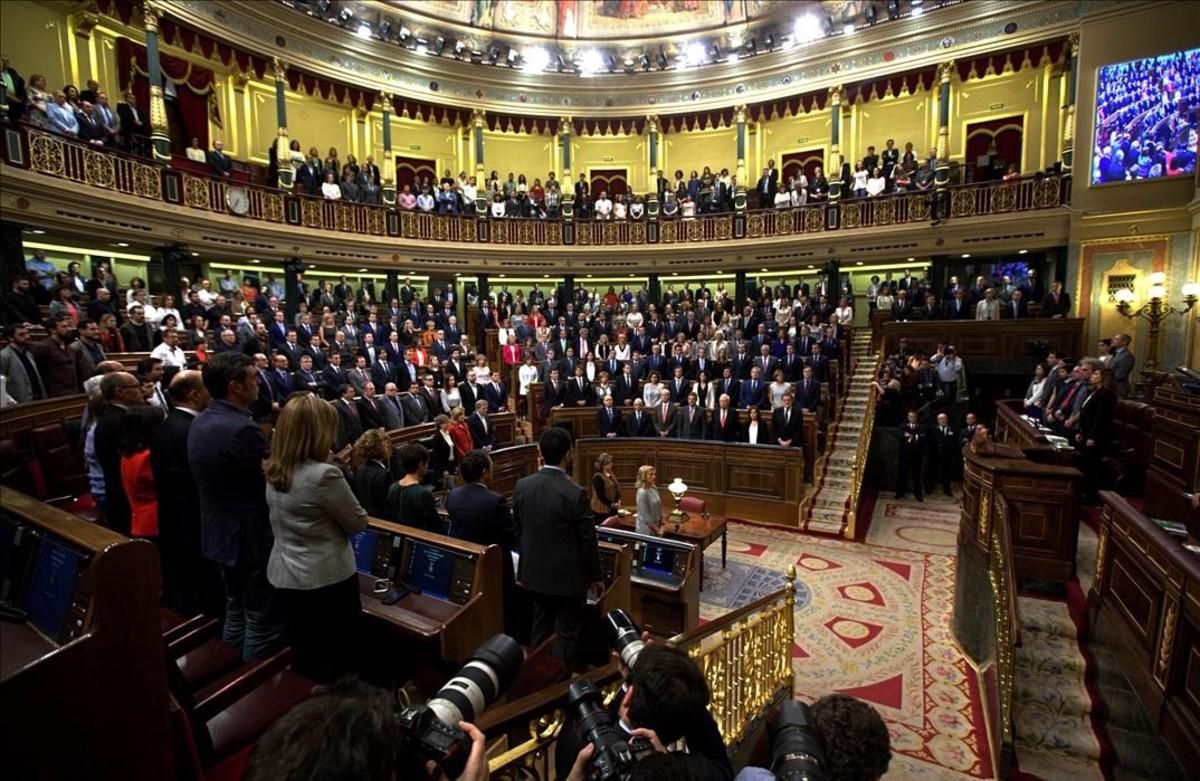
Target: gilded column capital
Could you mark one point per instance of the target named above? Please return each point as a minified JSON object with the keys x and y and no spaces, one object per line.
{"x":279,"y":69}
{"x":652,"y":123}
{"x":385,"y":101}
{"x":478,"y":118}
{"x":835,"y":95}
{"x":84,"y":24}
{"x":564,"y":126}
{"x":151,"y":11}
{"x":741,"y":114}
{"x":945,"y":71}
{"x":1073,"y":42}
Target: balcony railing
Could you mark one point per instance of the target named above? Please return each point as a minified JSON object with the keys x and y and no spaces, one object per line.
{"x":55,"y":156}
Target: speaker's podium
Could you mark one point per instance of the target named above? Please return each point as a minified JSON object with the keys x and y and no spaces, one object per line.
{"x":665,"y":580}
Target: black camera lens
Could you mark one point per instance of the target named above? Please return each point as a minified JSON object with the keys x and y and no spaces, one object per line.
{"x":488,"y":672}
{"x":611,"y":758}
{"x":796,"y":751}
{"x":627,"y":639}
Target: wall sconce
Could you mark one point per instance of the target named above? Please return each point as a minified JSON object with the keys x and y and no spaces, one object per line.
{"x":1156,"y":310}
{"x":678,"y":489}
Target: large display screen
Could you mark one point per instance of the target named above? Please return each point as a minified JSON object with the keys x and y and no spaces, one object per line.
{"x":430,"y":570}
{"x":658,"y":559}
{"x":1147,"y":118}
{"x":365,"y":544}
{"x":51,"y":586}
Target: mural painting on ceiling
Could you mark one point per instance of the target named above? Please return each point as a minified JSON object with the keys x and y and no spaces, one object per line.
{"x":592,"y":18}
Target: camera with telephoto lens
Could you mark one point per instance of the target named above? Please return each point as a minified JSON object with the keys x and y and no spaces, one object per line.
{"x":796,"y":750}
{"x":627,"y":638}
{"x":431,"y":730}
{"x":613,"y":756}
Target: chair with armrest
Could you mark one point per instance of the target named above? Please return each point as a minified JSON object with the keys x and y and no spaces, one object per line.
{"x":61,"y":467}
{"x":692,"y":505}
{"x":14,"y":470}
{"x":611,"y":521}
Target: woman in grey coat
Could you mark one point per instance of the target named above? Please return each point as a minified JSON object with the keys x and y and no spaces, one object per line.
{"x":649,"y":502}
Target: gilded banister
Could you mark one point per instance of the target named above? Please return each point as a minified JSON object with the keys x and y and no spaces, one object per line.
{"x":1002,"y":575}
{"x":860,"y":459}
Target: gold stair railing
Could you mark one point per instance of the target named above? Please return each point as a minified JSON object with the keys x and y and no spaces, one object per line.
{"x":860,"y":458}
{"x":745,"y":655}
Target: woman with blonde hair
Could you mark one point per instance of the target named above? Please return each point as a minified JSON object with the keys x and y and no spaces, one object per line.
{"x":313,"y":514}
{"x":372,"y":480}
{"x":649,"y":502}
{"x":606,"y":489}
{"x":460,"y":432}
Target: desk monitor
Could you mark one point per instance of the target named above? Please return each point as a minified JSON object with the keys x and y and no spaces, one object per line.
{"x":658,"y":560}
{"x":436,"y":571}
{"x":13,"y":536}
{"x":48,"y":598}
{"x":365,"y":544}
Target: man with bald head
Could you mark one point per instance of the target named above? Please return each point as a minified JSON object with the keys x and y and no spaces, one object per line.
{"x":120,"y":390}
{"x":190,"y":583}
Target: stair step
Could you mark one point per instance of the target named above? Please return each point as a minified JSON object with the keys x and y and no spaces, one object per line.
{"x":1042,"y":691}
{"x":1051,"y":765}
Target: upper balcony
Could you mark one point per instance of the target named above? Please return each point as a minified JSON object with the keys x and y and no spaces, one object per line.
{"x":58,"y":183}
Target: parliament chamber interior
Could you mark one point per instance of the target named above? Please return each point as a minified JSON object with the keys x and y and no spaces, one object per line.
{"x":599,"y":389}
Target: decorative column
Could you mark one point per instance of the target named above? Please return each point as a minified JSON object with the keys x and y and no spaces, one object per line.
{"x":652,"y":204}
{"x":478,"y":123}
{"x":387,"y":172}
{"x":285,"y":175}
{"x":1068,"y":130}
{"x":941,"y":174}
{"x":160,"y":137}
{"x":833,"y":171}
{"x":739,"y":193}
{"x":568,"y":194}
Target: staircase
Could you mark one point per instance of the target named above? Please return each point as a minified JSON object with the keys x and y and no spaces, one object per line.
{"x":828,"y":509}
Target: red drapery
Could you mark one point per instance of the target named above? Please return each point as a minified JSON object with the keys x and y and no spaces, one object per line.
{"x":611,"y":180}
{"x":192,"y":84}
{"x":1007,"y":133}
{"x":792,"y":162}
{"x":410,"y":170}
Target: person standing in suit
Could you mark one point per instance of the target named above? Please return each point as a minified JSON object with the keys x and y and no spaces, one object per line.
{"x":350,"y":424}
{"x":133,"y":127}
{"x":1057,"y":303}
{"x":1121,"y":364}
{"x":787,"y":422}
{"x":649,"y":502}
{"x":912,"y":452}
{"x":1096,"y":428}
{"x":808,"y":391}
{"x":609,"y":422}
{"x":559,"y":557}
{"x":725,"y":425}
{"x":755,"y":430}
{"x":121,"y":391}
{"x":225,"y":451}
{"x":313,"y":514}
{"x":690,"y":422}
{"x":663,"y":414}
{"x":372,"y":479}
{"x":754,"y":390}
{"x":606,"y":489}
{"x":483,"y":437}
{"x":220,"y":163}
{"x":370,"y":410}
{"x":191,"y":585}
{"x":639,"y":423}
{"x":1016,"y":308}
{"x":945,"y":451}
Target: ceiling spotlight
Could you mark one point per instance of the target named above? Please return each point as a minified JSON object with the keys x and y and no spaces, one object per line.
{"x":1023,"y":252}
{"x":872,"y":13}
{"x":37,"y":231}
{"x":322,"y":7}
{"x":591,"y":62}
{"x":122,"y":244}
{"x":769,"y":41}
{"x":693,"y":54}
{"x":404,"y":34}
{"x":363,"y":31}
{"x":439,"y":45}
{"x":536,"y":59}
{"x":344,"y":16}
{"x":383,"y":29}
{"x":459,"y":47}
{"x":966,"y":254}
{"x":493,"y":55}
{"x":807,"y":28}
{"x":512,"y":58}
{"x":662,"y":60}
{"x":645,"y":62}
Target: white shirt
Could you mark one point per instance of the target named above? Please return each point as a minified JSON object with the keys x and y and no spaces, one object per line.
{"x":604,"y":208}
{"x":619,"y":210}
{"x":525,"y":375}
{"x":860,"y":180}
{"x":875,"y":185}
{"x":196,"y":155}
{"x":170,"y":356}
{"x":469,"y":193}
{"x":497,"y":208}
{"x":845,"y":314}
{"x":783,"y":199}
{"x":331,"y":191}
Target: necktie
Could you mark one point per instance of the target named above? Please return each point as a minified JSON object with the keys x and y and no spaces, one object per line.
{"x":723,"y":416}
{"x":787,"y":416}
{"x":664,"y":412}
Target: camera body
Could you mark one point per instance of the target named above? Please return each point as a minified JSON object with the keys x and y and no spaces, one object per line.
{"x":613,"y":755}
{"x":797,"y":753}
{"x":428,"y":737}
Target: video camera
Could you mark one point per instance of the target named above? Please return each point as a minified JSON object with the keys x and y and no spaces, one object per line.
{"x":796,"y":750}
{"x":431,"y":730}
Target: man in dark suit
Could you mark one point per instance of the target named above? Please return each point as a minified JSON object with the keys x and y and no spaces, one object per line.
{"x":741,"y":362}
{"x":311,"y":176}
{"x":1016,"y":308}
{"x":483,"y":435}
{"x":350,"y":423}
{"x":482,"y":516}
{"x":370,"y":409}
{"x":226,"y":449}
{"x":638,"y":422}
{"x":609,"y":422}
{"x":808,"y":391}
{"x":902,"y":309}
{"x":945,"y":452}
{"x":559,"y":558}
{"x":819,"y":364}
{"x":191,"y":585}
{"x":766,"y":188}
{"x":912,"y":454}
{"x":787,"y":423}
{"x":691,"y":420}
{"x":554,"y":393}
{"x":626,"y":389}
{"x":121,"y":391}
{"x":729,"y":385}
{"x":333,"y":376}
{"x":1121,"y":363}
{"x":663,"y":415}
{"x":280,"y":379}
{"x":578,"y":392}
{"x":958,"y":307}
{"x":725,"y":425}
{"x":220,"y":163}
{"x":754,"y":390}
{"x":930,"y":311}
{"x":1057,"y":303}
{"x":132,"y":122}
{"x":678,"y":385}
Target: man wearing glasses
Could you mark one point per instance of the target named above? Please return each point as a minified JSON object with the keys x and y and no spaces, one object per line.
{"x":121,"y":390}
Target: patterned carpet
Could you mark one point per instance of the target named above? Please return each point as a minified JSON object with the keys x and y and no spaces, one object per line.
{"x":873,"y":620}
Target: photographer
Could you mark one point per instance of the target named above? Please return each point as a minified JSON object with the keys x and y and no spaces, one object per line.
{"x":853,"y":741}
{"x":346,"y":731}
{"x":664,"y":698}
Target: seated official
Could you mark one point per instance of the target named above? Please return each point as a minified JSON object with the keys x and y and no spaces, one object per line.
{"x":664,"y":698}
{"x":606,"y":489}
{"x":313,"y":513}
{"x":371,"y":478}
{"x":410,"y":501}
{"x":348,"y":730}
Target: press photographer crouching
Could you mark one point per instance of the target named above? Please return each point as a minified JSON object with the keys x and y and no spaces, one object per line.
{"x":353,"y":730}
{"x":837,"y":738}
{"x":664,"y":699}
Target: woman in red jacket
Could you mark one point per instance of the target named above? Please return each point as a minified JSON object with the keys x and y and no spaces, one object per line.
{"x":460,"y":434}
{"x":138,"y":427}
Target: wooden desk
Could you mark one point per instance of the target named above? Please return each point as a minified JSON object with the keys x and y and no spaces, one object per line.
{"x":1012,"y":429}
{"x":18,"y":420}
{"x":1144,"y":605}
{"x":1175,"y":468}
{"x":503,"y":423}
{"x":510,"y":464}
{"x":1043,"y":510}
{"x":758,"y":483}
{"x":701,"y":532}
{"x":1006,"y":340}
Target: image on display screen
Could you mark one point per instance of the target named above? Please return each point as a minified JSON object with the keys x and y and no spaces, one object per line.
{"x":51,"y":587}
{"x":659,"y":559}
{"x":1147,"y":118}
{"x":365,"y":543}
{"x":430,"y":570}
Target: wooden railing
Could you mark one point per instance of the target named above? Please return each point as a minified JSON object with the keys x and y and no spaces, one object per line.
{"x":746,"y":658}
{"x":860,"y":459}
{"x":1003,"y":577}
{"x":56,"y":156}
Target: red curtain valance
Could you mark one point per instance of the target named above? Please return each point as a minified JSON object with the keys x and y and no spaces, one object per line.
{"x":194,"y":93}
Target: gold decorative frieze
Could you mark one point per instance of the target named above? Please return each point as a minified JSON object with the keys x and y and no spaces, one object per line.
{"x":195,"y":192}
{"x":46,"y":155}
{"x":885,"y":211}
{"x":375,"y":222}
{"x":310,"y":213}
{"x":918,"y":208}
{"x":754,"y":226}
{"x":814,"y":220}
{"x":851,"y":215}
{"x":98,"y":170}
{"x":147,"y":183}
{"x":1004,"y":198}
{"x":962,"y":204}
